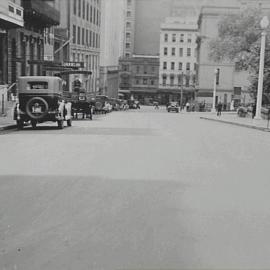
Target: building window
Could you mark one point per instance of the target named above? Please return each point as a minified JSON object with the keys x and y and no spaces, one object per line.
{"x":172,"y":65}
{"x":138,"y":69}
{"x":166,"y":37}
{"x":128,"y":24}
{"x":189,"y":39}
{"x":152,"y":82}
{"x":180,"y":79}
{"x":74,"y":7}
{"x":173,"y":37}
{"x":83,"y":11}
{"x":164,"y":80}
{"x":187,"y":81}
{"x":188,"y":52}
{"x":164,"y":65}
{"x":188,"y":66}
{"x":79,"y":8}
{"x":180,"y":66}
{"x":173,"y":51}
{"x":128,"y":35}
{"x":94,"y":39}
{"x":137,"y":81}
{"x":86,"y":38}
{"x":87,"y":12}
{"x":90,"y":38}
{"x":127,"y":55}
{"x":128,"y":13}
{"x":127,"y":45}
{"x":153,"y":69}
{"x":165,"y":51}
{"x":91,"y":13}
{"x":182,"y":38}
{"x":145,"y":81}
{"x":195,"y":67}
{"x":181,"y":52}
{"x":74,"y":34}
{"x":129,"y":2}
{"x":171,"y":80}
{"x":79,"y":35}
{"x":82,"y":36}
{"x":94,"y":17}
{"x":145,"y":69}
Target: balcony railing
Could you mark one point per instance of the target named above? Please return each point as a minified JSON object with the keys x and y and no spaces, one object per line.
{"x":41,"y":12}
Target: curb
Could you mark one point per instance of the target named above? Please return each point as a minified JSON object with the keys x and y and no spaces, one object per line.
{"x":7,"y":127}
{"x":236,"y":124}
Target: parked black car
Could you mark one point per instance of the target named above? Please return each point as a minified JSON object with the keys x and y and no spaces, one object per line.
{"x":40,"y":100}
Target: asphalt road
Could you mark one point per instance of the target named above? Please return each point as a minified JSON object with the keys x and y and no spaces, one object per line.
{"x":135,"y":190}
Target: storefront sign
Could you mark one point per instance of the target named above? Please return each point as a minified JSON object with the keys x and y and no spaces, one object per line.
{"x":74,"y":64}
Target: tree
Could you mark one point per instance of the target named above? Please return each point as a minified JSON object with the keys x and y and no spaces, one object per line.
{"x":239,"y":40}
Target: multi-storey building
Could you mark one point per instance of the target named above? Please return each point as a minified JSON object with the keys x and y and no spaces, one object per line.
{"x":178,"y":59}
{"x":139,"y":77}
{"x":11,"y":17}
{"x":27,"y":44}
{"x":129,"y":32}
{"x":112,"y":39}
{"x":80,"y":26}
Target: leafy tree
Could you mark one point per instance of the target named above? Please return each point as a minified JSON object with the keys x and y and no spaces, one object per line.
{"x":239,"y":40}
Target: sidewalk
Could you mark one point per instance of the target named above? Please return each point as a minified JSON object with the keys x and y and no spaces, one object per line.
{"x":7,"y":122}
{"x":234,"y":119}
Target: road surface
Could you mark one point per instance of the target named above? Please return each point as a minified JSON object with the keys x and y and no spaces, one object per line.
{"x":135,"y":190}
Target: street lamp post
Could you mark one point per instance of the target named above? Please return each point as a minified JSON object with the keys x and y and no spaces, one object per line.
{"x":214,"y":91}
{"x":264,"y":25}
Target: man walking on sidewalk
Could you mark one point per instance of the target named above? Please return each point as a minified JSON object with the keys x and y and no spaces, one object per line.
{"x":219,"y":109}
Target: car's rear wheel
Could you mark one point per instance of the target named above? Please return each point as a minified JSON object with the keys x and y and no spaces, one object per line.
{"x":20,"y":124}
{"x":60,"y":124}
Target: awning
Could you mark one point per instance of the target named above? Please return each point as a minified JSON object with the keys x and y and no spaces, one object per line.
{"x":124,"y":91}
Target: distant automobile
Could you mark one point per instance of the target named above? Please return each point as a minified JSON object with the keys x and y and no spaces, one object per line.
{"x":173,"y":107}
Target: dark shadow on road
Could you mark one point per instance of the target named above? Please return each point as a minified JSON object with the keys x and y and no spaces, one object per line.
{"x":67,"y":222}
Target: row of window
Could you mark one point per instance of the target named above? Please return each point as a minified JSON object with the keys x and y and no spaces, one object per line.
{"x":180,"y":66}
{"x":140,"y":69}
{"x":82,"y":36}
{"x":176,"y":38}
{"x":179,"y":80}
{"x":91,"y":61}
{"x":181,"y":52}
{"x":145,"y":81}
{"x":87,"y":11}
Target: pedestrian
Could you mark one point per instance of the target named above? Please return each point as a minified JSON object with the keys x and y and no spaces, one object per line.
{"x":219,"y":109}
{"x":187,"y":106}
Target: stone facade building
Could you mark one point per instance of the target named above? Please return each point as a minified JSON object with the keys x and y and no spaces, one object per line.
{"x":178,"y":59}
{"x":139,"y":77}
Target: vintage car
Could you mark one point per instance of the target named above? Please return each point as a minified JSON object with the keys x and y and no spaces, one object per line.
{"x":40,"y":99}
{"x":173,"y":107}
